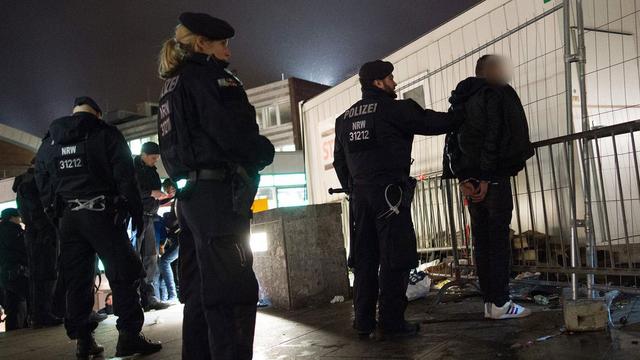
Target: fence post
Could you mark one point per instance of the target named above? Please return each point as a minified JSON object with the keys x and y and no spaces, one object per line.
{"x":568,"y":59}
{"x":586,"y":149}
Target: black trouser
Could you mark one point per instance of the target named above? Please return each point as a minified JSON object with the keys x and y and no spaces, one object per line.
{"x":383,"y":250}
{"x":490,"y":221}
{"x":15,"y":306}
{"x":148,"y":252}
{"x":42,"y":248}
{"x":83,"y":234}
{"x":218,"y":285}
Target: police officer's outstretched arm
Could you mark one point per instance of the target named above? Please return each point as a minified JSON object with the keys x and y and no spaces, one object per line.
{"x":426,"y":122}
{"x":340,"y":161}
{"x":124,"y":174}
{"x":232,"y":124}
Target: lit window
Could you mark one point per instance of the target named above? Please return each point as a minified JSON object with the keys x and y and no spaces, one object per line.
{"x":292,"y":197}
{"x":289,"y":179}
{"x":266,"y":181}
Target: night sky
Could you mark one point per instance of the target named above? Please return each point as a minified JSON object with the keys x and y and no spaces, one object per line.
{"x":53,"y":51}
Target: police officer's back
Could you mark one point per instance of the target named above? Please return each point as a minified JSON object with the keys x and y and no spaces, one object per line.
{"x":372,"y":158}
{"x":85,"y":176}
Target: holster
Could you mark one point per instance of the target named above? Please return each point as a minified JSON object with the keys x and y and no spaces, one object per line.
{"x":408,"y":191}
{"x":244,"y":189}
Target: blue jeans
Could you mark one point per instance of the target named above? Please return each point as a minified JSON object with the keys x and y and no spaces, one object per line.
{"x":165,"y":282}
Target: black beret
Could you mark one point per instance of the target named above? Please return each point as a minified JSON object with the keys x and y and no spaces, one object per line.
{"x":85,"y":100}
{"x":9,"y":213}
{"x":375,"y":70}
{"x":150,"y":148}
{"x":207,"y":25}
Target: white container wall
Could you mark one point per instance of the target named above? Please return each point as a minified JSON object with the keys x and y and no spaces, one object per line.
{"x":530,"y":33}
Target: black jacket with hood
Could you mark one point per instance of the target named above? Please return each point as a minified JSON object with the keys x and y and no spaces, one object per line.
{"x":493,"y":142}
{"x":83,"y":157}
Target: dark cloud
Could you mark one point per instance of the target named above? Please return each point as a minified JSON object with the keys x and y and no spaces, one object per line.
{"x":53,"y":51}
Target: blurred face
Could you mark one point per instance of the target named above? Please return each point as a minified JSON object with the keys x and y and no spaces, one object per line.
{"x":108,"y":300}
{"x":216,"y":48}
{"x":387,"y":84}
{"x":150,"y":159}
{"x":498,"y":71}
{"x":16,"y":220}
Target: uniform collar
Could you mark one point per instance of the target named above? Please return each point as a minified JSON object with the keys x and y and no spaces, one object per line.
{"x":374,"y":92}
{"x":207,"y":59}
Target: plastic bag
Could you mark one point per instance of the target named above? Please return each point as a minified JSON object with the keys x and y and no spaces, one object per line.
{"x":419,"y":285}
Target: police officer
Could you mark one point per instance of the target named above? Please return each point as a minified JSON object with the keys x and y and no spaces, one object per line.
{"x":208,"y":135}
{"x":42,"y":249}
{"x":86,"y":181}
{"x":14,"y":270}
{"x":372,"y":158}
{"x":149,"y":185}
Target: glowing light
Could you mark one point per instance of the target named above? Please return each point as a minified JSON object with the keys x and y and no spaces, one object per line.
{"x":259,"y":242}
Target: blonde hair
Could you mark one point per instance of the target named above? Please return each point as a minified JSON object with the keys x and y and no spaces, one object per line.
{"x":175,"y":50}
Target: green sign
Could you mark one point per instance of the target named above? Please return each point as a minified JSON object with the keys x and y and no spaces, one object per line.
{"x":546,"y":1}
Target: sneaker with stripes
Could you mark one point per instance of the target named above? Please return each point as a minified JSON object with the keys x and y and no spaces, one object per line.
{"x":509,"y":310}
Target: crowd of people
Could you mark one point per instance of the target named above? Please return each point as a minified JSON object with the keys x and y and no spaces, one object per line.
{"x":85,"y":189}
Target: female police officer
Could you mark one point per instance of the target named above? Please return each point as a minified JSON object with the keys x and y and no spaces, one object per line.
{"x":208,"y":135}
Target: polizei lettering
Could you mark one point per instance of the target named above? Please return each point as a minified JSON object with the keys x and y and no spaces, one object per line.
{"x":360,"y":110}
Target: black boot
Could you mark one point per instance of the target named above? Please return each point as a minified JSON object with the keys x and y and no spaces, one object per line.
{"x":88,"y":347}
{"x":406,"y":329}
{"x":135,"y":343}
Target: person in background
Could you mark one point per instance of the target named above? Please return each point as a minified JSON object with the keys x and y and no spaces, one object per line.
{"x":14,"y":269}
{"x":108,"y":305}
{"x":169,"y":248}
{"x":146,"y":244}
{"x":490,"y":147}
{"x":42,"y":249}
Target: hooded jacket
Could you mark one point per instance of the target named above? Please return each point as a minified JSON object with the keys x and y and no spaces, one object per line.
{"x":83,"y":157}
{"x":493,"y":141}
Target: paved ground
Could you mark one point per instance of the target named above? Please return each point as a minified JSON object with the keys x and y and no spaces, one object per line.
{"x":450,"y":331}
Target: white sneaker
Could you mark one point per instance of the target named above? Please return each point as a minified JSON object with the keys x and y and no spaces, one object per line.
{"x":509,"y":310}
{"x":487,"y":310}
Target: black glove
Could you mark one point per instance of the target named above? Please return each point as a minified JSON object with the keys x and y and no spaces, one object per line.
{"x":137,"y":224}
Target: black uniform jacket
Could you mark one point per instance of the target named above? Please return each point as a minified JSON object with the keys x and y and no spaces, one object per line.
{"x":148,"y":180}
{"x":206,"y":121}
{"x":374,"y":137}
{"x":83,"y":157}
{"x":28,"y":199}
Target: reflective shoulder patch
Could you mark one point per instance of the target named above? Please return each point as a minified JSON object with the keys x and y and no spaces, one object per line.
{"x":228,"y":82}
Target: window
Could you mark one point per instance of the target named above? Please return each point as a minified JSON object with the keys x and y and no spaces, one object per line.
{"x":272,"y":116}
{"x":416,"y":94}
{"x":292,"y":196}
{"x":285,"y":113}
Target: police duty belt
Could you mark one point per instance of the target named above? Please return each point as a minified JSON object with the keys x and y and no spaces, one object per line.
{"x":95,"y":204}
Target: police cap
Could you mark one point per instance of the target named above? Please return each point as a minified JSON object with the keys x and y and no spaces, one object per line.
{"x":9,"y":213}
{"x":150,"y":148}
{"x":207,"y":25}
{"x":85,"y":100}
{"x":375,"y":70}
